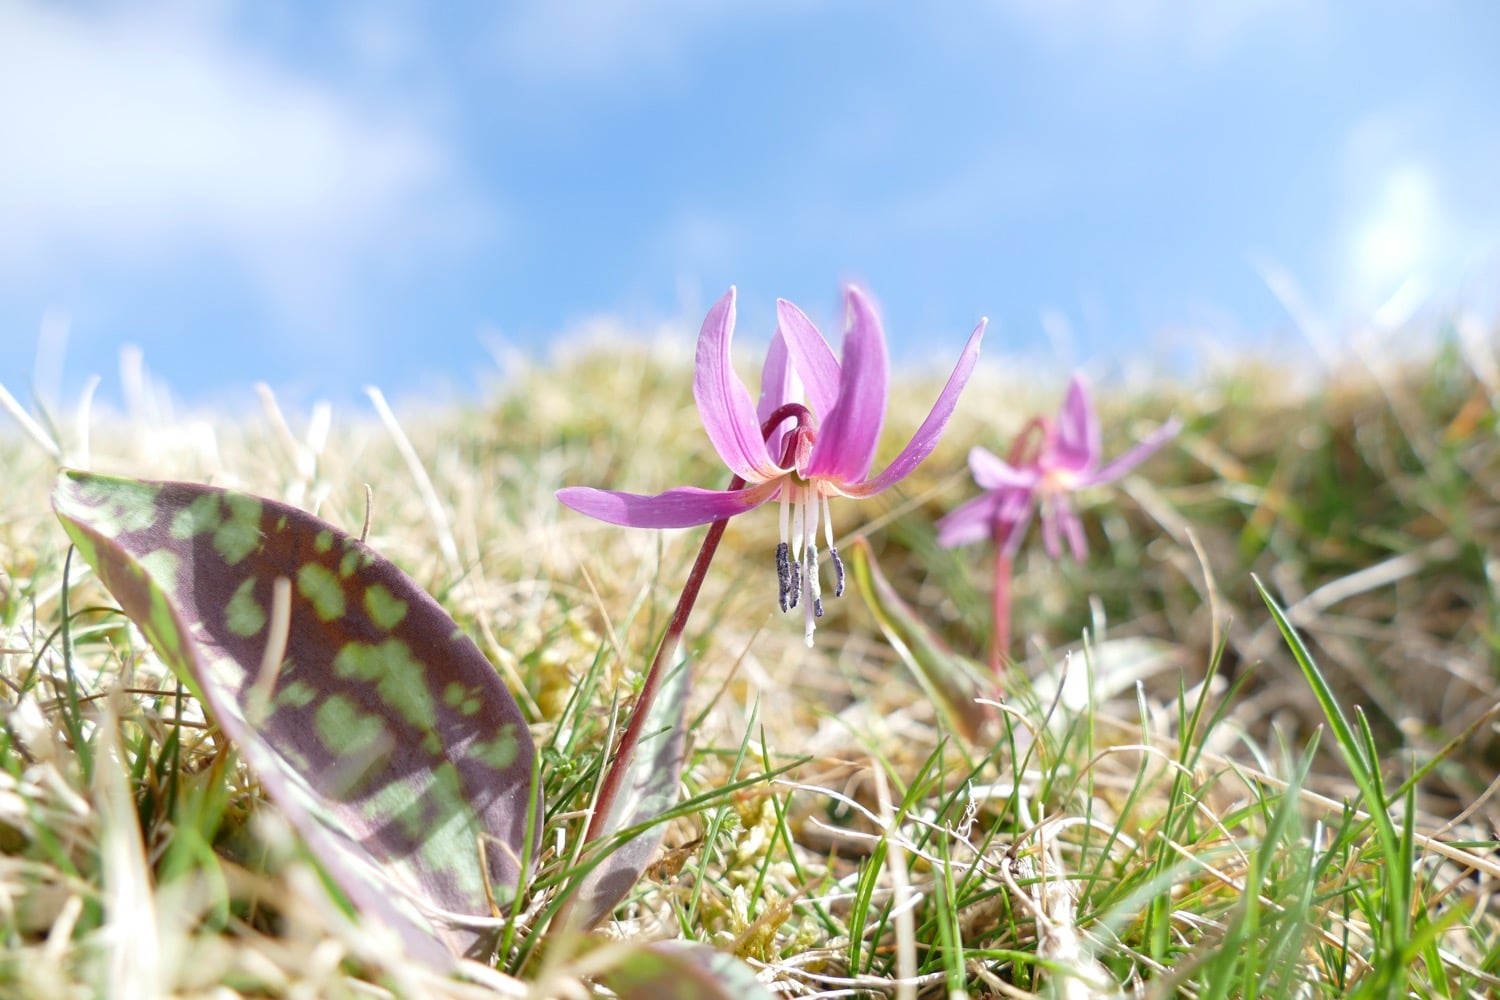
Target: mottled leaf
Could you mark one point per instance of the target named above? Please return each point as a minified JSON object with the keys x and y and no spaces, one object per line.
{"x":682,"y":970}
{"x":380,"y":729}
{"x":639,"y":787}
{"x":953,"y":682}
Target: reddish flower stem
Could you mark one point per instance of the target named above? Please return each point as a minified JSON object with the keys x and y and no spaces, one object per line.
{"x":1023,"y":450}
{"x":672,"y":639}
{"x":1000,"y":638}
{"x":664,"y":653}
{"x":1029,"y":443}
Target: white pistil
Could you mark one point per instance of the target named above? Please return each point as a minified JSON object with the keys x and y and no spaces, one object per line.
{"x":814,"y":598}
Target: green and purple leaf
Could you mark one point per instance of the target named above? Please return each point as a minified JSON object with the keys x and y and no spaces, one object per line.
{"x":374,"y":723}
{"x":953,"y":682}
{"x":682,"y":970}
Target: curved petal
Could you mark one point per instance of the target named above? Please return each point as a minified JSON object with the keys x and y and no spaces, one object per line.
{"x":778,"y":386}
{"x":1135,"y":456}
{"x":812,"y":357}
{"x":1013,"y":504}
{"x":683,"y":507}
{"x":927,"y":435}
{"x":971,"y":521}
{"x":1076,"y":447}
{"x":1072,"y":528}
{"x":724,"y":402}
{"x":1017,"y":518}
{"x":1051,"y":540}
{"x":991,"y":472}
{"x":847,"y":439}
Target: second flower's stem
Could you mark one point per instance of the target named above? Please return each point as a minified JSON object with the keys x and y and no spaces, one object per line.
{"x":1024,"y":450}
{"x":1000,"y":638}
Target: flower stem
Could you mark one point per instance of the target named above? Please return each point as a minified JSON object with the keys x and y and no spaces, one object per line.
{"x":664,"y":654}
{"x":1000,"y":638}
{"x":1024,"y":449}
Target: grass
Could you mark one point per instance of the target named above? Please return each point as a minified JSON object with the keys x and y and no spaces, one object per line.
{"x":1250,"y":750}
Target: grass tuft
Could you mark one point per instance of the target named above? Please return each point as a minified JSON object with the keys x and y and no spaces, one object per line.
{"x":1190,"y":788}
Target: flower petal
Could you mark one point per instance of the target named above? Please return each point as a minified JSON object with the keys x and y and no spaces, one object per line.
{"x":991,"y":472}
{"x":1072,"y":528}
{"x":811,"y":356}
{"x":927,"y":435}
{"x":1016,"y":519}
{"x":1135,"y":456}
{"x":683,"y":507}
{"x":779,"y":385}
{"x":1077,"y":445}
{"x":847,"y":439}
{"x":1050,"y":540}
{"x":971,"y":521}
{"x":724,"y":402}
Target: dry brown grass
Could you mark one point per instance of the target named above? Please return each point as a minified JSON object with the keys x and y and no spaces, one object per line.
{"x":890,"y":858}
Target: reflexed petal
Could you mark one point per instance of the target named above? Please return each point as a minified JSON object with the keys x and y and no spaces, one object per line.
{"x":1077,"y":444}
{"x":1072,"y":528}
{"x":1135,"y":456}
{"x":778,"y":386}
{"x":683,"y":507}
{"x":971,"y":521}
{"x":927,"y":435}
{"x":848,"y":435}
{"x":1014,"y":504}
{"x":1050,"y":537}
{"x":991,"y":472}
{"x":1017,"y":519}
{"x":724,"y":402}
{"x":811,"y":356}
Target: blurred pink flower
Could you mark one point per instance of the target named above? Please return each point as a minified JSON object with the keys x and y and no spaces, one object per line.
{"x":1066,"y":460}
{"x":783,"y":449}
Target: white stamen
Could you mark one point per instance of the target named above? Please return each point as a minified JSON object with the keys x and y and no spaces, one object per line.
{"x":810,"y":523}
{"x":799,"y":519}
{"x":786,"y":510}
{"x":783,"y":576}
{"x":803,"y":505}
{"x":833,"y":550}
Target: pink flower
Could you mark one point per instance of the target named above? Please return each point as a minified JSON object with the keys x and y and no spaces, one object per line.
{"x":783,"y":449}
{"x":1066,"y":460}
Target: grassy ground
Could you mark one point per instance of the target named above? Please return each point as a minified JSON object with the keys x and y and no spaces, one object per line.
{"x":1176,"y":800}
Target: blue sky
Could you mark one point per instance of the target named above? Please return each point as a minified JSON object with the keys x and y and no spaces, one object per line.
{"x":382,"y":192}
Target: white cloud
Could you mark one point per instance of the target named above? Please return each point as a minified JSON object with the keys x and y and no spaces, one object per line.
{"x":140,"y":138}
{"x":614,"y":42}
{"x":1203,"y":32}
{"x":1411,"y":219}
{"x":611,"y":41}
{"x":1400,"y":232}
